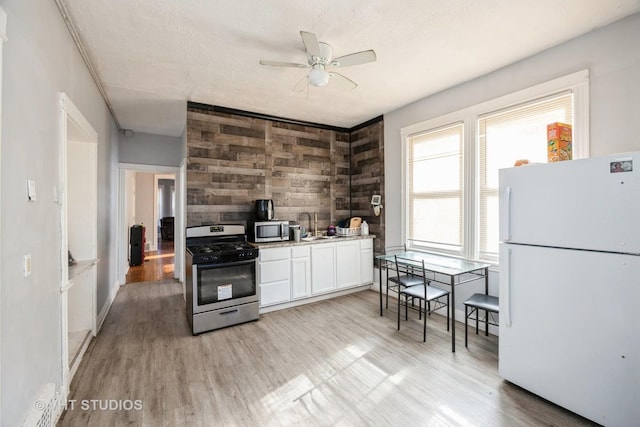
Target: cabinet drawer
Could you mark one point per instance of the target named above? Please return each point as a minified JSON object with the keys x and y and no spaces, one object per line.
{"x":300,"y":251}
{"x":275,"y":293}
{"x":274,"y":254}
{"x":273,"y":271}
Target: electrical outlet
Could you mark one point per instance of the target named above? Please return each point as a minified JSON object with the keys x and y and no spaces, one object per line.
{"x":27,"y":265}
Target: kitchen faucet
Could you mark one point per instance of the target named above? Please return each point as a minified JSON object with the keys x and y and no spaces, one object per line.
{"x":315,"y":223}
{"x":309,"y":215}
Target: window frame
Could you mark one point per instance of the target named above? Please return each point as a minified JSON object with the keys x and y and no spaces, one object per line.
{"x":577,"y":83}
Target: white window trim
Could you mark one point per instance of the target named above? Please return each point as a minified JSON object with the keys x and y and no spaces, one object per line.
{"x":577,"y":82}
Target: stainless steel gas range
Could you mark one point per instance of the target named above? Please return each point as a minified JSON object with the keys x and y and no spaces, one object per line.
{"x":221,"y":277}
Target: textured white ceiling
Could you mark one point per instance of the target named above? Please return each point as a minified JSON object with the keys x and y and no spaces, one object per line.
{"x":154,"y":55}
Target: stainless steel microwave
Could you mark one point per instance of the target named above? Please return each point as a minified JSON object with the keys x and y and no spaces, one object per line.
{"x":268,"y":231}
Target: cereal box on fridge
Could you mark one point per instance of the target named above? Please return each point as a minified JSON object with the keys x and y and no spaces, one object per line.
{"x":559,"y":142}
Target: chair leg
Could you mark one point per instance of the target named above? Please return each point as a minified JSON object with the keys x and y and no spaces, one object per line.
{"x":406,"y":308}
{"x":477,"y":319}
{"x":424,"y":328}
{"x":398,"y":310}
{"x":419,"y":309}
{"x":387,"y":290}
{"x":448,"y":312}
{"x":486,"y":323}
{"x":466,"y":317}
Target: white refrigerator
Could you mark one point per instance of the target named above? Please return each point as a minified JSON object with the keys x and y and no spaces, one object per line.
{"x":570,"y":284}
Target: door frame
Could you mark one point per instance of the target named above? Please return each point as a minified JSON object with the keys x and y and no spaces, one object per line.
{"x":74,"y":129}
{"x":123,"y":240}
{"x":3,"y":38}
{"x":156,"y":214}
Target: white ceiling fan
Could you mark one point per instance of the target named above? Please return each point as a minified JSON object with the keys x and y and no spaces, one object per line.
{"x":319,"y":57}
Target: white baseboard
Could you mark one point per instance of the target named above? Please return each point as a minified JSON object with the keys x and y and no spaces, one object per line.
{"x":107,"y":305}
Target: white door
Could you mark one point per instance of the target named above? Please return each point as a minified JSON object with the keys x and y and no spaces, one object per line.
{"x":573,"y":204}
{"x":569,"y":330}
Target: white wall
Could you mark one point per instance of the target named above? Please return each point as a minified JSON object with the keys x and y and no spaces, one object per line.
{"x":612,"y":55}
{"x":144,"y":206}
{"x":149,"y":149}
{"x":40,"y":61}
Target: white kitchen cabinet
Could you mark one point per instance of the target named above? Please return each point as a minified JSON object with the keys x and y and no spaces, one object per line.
{"x":347,"y":264}
{"x":300,"y":272}
{"x":273,"y":276}
{"x":323,"y":268}
{"x":290,"y":274}
{"x":366,"y":261}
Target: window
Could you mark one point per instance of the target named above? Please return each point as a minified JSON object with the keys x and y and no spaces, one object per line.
{"x":452,"y":162}
{"x":504,"y":137}
{"x":435,"y":188}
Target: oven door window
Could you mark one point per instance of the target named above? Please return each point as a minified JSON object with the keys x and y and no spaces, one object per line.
{"x":226,"y":282}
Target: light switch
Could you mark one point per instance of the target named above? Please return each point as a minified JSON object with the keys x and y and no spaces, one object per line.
{"x":27,"y":265}
{"x":31,"y":190}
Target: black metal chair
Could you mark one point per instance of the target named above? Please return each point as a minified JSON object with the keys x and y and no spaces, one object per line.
{"x":491,"y":307}
{"x":394,"y":282}
{"x":423,"y":292}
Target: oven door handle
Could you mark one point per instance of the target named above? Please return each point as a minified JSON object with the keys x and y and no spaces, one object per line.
{"x":227,"y":264}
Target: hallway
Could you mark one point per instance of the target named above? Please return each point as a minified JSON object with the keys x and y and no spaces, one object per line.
{"x":158,"y":265}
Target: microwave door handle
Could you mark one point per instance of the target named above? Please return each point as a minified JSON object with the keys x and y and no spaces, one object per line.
{"x":282,"y":230}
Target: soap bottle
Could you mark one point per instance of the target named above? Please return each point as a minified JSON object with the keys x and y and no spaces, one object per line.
{"x":364,"y":228}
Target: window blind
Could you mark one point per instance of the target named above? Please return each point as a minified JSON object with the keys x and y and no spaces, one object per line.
{"x":435,"y":189}
{"x":507,"y":135}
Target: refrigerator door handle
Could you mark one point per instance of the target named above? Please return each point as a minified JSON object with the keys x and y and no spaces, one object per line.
{"x":507,"y":290}
{"x":505,"y":223}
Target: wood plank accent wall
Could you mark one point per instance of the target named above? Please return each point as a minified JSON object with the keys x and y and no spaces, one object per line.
{"x":367,"y":178}
{"x":234,"y":160}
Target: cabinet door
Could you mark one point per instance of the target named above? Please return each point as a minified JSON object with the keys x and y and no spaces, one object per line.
{"x":366,"y":261}
{"x":323,"y":268}
{"x":300,"y":277}
{"x":347,"y":264}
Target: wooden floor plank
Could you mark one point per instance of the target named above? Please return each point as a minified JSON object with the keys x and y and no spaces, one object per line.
{"x":334,"y":362}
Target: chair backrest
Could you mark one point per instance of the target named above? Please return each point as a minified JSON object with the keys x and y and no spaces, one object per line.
{"x":391,"y":250}
{"x":411,"y":266}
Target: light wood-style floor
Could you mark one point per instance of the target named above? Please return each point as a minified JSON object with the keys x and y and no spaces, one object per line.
{"x":335,"y":362}
{"x":157,"y":265}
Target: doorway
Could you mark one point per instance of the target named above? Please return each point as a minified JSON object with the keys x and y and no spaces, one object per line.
{"x":150,"y":196}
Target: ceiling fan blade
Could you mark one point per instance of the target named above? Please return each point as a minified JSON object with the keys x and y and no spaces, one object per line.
{"x":354,"y":59}
{"x":283,"y":64}
{"x":311,"y":44}
{"x":342,"y":81}
{"x":302,"y":84}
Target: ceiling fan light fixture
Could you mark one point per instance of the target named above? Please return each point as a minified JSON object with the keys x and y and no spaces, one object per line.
{"x":318,"y":77}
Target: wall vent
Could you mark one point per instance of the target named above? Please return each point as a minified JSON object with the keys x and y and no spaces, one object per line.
{"x":43,"y":410}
